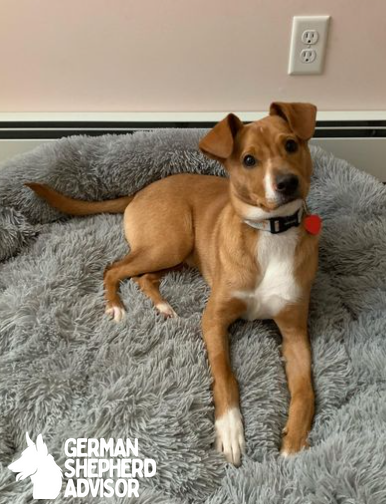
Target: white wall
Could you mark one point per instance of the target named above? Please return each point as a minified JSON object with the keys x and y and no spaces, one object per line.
{"x":184,"y":55}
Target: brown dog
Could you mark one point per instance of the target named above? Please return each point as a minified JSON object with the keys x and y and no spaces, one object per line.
{"x":246,"y":235}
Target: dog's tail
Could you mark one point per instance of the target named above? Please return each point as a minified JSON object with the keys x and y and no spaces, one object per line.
{"x":72,"y":206}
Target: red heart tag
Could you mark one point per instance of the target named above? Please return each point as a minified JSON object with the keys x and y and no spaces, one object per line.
{"x":313,"y":224}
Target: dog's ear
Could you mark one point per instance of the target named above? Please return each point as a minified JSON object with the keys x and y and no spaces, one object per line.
{"x":41,"y":446}
{"x":301,"y":117}
{"x":29,"y":440}
{"x":218,"y":143}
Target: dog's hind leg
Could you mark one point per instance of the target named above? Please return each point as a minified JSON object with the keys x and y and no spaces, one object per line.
{"x":149,"y":283}
{"x":151,"y":263}
{"x":161,"y":236}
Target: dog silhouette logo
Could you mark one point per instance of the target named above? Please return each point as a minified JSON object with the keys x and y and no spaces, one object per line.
{"x":36,"y":463}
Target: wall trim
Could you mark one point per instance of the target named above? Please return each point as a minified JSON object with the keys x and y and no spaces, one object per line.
{"x":57,"y":125}
{"x":359,"y":137}
{"x":347,"y":115}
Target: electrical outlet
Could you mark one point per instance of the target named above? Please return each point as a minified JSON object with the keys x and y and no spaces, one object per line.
{"x":308,"y":44}
{"x":307,"y":56}
{"x":310,"y":37}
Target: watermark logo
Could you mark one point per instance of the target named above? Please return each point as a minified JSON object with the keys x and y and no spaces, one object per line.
{"x":105,"y":468}
{"x":36,"y":463}
{"x":98,"y":467}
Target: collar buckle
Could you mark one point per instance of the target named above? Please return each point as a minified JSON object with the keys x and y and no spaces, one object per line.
{"x":281,"y":224}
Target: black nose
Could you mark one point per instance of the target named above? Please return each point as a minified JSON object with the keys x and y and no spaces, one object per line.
{"x":287,"y":184}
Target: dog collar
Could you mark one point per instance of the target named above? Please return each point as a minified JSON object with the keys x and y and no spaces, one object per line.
{"x":276,"y":225}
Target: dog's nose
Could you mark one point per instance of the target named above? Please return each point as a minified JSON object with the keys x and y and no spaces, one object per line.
{"x":286,"y":184}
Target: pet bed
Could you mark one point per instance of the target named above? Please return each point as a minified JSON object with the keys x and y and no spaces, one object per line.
{"x":67,"y":371}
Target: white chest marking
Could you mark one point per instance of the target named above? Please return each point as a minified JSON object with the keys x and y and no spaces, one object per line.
{"x":276,"y":285}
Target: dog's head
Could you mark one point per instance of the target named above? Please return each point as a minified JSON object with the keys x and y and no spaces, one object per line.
{"x":268,"y":161}
{"x":30,"y":458}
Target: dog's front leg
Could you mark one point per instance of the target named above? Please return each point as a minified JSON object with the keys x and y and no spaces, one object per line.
{"x":217,"y":317}
{"x":298,"y":361}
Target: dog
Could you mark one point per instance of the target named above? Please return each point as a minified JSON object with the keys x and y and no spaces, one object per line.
{"x":45,"y":474}
{"x":247,"y":236}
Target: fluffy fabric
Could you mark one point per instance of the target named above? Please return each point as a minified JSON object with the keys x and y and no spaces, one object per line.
{"x":67,"y":371}
{"x":16,"y":232}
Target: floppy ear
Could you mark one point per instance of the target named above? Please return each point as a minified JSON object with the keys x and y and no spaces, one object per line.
{"x":301,"y":117}
{"x":218,"y":143}
{"x":41,"y":446}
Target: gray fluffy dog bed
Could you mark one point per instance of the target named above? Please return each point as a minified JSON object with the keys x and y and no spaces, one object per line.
{"x":67,"y":371}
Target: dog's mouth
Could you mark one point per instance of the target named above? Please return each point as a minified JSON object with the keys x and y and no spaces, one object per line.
{"x":270,"y":205}
{"x":267,"y":205}
{"x":257,"y":209}
{"x":283,"y":200}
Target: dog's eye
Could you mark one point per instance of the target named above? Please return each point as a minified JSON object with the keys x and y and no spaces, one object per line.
{"x":249,"y":161}
{"x":291,"y":146}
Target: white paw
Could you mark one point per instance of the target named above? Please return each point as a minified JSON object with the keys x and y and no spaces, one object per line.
{"x":230,"y":436}
{"x":166,"y":310}
{"x":117,"y":313}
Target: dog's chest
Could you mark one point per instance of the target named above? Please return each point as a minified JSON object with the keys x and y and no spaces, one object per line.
{"x":276,"y":285}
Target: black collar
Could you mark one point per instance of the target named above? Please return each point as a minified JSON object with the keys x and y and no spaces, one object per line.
{"x":276,"y":225}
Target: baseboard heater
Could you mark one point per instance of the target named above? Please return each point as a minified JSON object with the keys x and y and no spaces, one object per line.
{"x":362,"y":141}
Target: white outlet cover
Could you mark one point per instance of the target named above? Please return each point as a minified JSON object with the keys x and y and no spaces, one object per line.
{"x":301,"y":24}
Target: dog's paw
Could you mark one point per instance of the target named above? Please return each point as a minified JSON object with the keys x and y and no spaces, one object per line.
{"x":115,"y":312}
{"x":166,"y":310}
{"x":291,"y":445}
{"x":230,"y":436}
